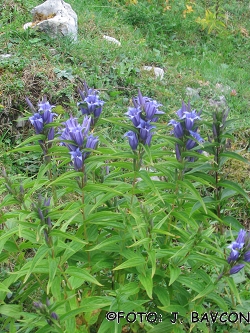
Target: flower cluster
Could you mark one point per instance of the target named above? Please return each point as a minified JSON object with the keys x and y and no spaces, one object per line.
{"x":78,"y":140}
{"x":43,"y":117}
{"x":90,"y":104}
{"x":142,"y":115}
{"x":240,"y":251}
{"x":44,"y":309}
{"x":186,"y":127}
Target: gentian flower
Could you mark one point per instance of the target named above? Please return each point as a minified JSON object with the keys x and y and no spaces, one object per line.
{"x":145,"y":131}
{"x":239,"y":251}
{"x":235,"y":269}
{"x":132,"y":139}
{"x":37,"y":121}
{"x":43,"y":117}
{"x":141,"y":115}
{"x":134,"y":115}
{"x":80,"y":140}
{"x":185,"y":127}
{"x":75,"y":132}
{"x":90,"y":104}
{"x":77,"y":159}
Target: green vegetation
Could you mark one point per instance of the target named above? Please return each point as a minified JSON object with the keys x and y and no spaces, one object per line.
{"x":159,"y":228}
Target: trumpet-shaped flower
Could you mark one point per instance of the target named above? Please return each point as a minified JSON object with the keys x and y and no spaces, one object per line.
{"x":145,"y":131}
{"x":75,"y":132}
{"x":43,"y":117}
{"x":142,"y":114}
{"x":239,"y":252}
{"x":91,"y":104}
{"x":134,"y":115}
{"x":132,"y":139}
{"x":235,"y":269}
{"x":77,"y":158}
{"x":37,"y":121}
{"x":77,"y":140}
{"x":185,"y":127}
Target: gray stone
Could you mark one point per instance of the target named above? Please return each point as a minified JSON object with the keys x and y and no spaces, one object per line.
{"x":54,"y":17}
{"x":193,"y":93}
{"x":158,"y":72}
{"x":112,"y":40}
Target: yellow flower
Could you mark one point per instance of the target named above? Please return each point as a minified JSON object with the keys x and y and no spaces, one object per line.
{"x":189,"y":9}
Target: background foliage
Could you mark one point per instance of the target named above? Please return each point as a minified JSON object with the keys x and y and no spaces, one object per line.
{"x":126,"y":235}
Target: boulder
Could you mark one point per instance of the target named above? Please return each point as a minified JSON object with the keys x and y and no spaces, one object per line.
{"x":158,"y":72}
{"x":54,"y":17}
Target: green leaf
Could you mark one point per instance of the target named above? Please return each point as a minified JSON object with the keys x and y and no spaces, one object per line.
{"x":175,"y":271}
{"x":3,"y":288}
{"x":235,"y":187}
{"x":152,"y":257}
{"x":53,"y":263}
{"x":90,"y":304}
{"x":83,"y":274}
{"x":65,"y":235}
{"x":6,"y":236}
{"x":232,"y":222}
{"x":234,"y":156}
{"x":133,"y":262}
{"x":146,"y":178}
{"x":163,"y":295}
{"x":66,"y":175}
{"x":147,"y":282}
{"x":205,"y":292}
{"x":174,"y":308}
{"x":218,"y":300}
{"x":191,"y":283}
{"x":42,"y":251}
{"x":233,"y":288}
{"x":195,"y":193}
{"x":164,"y":327}
{"x":107,"y":242}
{"x":11,"y":310}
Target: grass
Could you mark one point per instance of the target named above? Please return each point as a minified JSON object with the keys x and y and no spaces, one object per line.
{"x":212,"y":64}
{"x":200,"y":64}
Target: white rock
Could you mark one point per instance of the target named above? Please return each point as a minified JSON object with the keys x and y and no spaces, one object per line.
{"x":55,"y":17}
{"x":7,"y":55}
{"x":27,"y":25}
{"x":159,"y":72}
{"x":111,"y":39}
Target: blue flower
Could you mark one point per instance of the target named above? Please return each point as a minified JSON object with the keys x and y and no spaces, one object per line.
{"x":178,"y":130}
{"x":132,"y":139}
{"x":235,"y":269}
{"x":237,"y":246}
{"x":145,"y":131}
{"x":77,"y":159}
{"x":239,"y":251}
{"x":75,"y":132}
{"x":43,"y":117}
{"x":141,"y":115}
{"x":148,"y":105}
{"x":37,"y":121}
{"x":77,"y":140}
{"x":184,"y":127}
{"x":134,"y":115}
{"x":91,"y":103}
